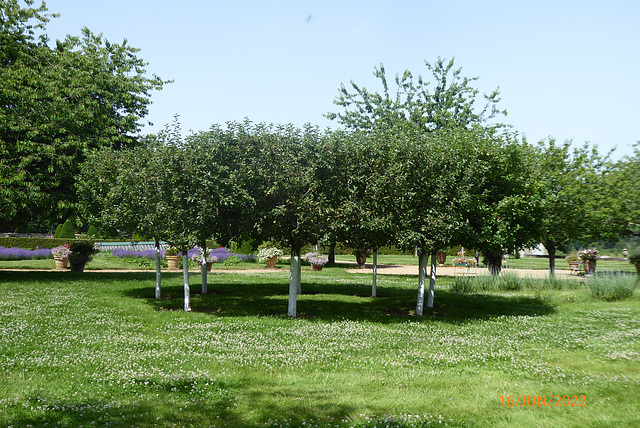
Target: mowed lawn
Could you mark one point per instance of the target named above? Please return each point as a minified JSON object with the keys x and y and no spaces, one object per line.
{"x":95,"y":349}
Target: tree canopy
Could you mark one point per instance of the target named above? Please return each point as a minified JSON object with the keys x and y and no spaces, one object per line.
{"x":56,"y":101}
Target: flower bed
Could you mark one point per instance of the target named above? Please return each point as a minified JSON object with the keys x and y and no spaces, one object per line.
{"x":15,"y":253}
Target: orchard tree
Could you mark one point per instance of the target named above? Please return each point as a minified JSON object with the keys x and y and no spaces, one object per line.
{"x":56,"y":101}
{"x":625,"y":180}
{"x":506,"y":214}
{"x":579,"y":202}
{"x":449,"y":103}
{"x":358,"y":176}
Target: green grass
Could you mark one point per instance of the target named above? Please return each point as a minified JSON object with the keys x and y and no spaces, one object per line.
{"x":96,"y":349}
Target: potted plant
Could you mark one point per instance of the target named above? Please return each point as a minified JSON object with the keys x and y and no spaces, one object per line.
{"x":573,"y":261}
{"x":442,"y":257}
{"x":316,"y":260}
{"x":269,"y":255}
{"x":634,"y":259}
{"x":589,"y":257}
{"x":61,"y":256}
{"x":81,"y":252}
{"x":172,"y":254}
{"x":464,"y":261}
{"x":210,"y":259}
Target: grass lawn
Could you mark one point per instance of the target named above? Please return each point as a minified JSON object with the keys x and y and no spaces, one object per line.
{"x":96,"y":349}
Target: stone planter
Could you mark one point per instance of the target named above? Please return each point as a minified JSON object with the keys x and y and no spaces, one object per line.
{"x":316,"y":267}
{"x":61,"y":263}
{"x":271,"y":263}
{"x":173,"y":261}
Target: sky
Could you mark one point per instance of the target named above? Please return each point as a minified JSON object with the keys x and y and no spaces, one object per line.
{"x":568,"y":70}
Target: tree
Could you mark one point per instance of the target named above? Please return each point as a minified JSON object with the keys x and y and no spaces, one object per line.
{"x":415,"y":110}
{"x":574,"y":197}
{"x":506,"y":214}
{"x":450,"y":104}
{"x":624,"y":179}
{"x":55,"y":103}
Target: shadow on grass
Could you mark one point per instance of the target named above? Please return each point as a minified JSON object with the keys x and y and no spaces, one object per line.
{"x":321,"y":301}
{"x":332,"y":302}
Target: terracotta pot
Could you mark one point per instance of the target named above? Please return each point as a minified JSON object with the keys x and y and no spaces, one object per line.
{"x":61,"y":263}
{"x":316,"y":267}
{"x":173,"y":261}
{"x":442,"y":258}
{"x":209,"y":264}
{"x":271,"y":263}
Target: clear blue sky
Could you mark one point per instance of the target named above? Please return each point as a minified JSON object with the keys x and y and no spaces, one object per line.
{"x":567,"y":69}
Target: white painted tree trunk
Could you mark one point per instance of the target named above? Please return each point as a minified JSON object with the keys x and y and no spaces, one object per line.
{"x":422,"y":273}
{"x":158,"y":270}
{"x":432,"y":280}
{"x":203,"y":255}
{"x":185,"y":275}
{"x":294,"y":283}
{"x":374,"y":286}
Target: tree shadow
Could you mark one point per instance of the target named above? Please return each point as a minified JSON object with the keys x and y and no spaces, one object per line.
{"x":336,"y":302}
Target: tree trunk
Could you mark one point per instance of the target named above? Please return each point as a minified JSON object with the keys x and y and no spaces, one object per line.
{"x":432,"y":280}
{"x":158,"y":270}
{"x":422,"y":270}
{"x":185,"y":275}
{"x":361,"y":258}
{"x":551,"y":249}
{"x":203,"y":254}
{"x":294,"y":281}
{"x":332,"y":254}
{"x":494,"y":262}
{"x":374,"y":287}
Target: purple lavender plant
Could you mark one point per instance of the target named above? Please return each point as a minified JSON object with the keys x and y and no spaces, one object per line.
{"x":15,"y":253}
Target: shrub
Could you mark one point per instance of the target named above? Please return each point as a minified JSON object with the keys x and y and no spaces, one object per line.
{"x":232,"y":260}
{"x":611,"y":286}
{"x":56,"y":235}
{"x":68,"y":230}
{"x":93,"y":232}
{"x":463,"y":284}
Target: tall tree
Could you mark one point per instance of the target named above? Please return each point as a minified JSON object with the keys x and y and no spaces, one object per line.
{"x":56,"y":102}
{"x":577,"y":201}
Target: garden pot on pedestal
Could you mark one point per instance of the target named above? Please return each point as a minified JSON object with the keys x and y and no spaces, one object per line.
{"x":316,"y":267}
{"x":61,"y":263}
{"x":173,"y":261}
{"x":271,"y":263}
{"x":589,"y":266}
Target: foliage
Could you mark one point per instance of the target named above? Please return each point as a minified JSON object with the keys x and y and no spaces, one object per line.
{"x":93,"y":232}
{"x":232,"y":260}
{"x":82,"y":251}
{"x":579,"y":201}
{"x":634,"y":258}
{"x":450,"y":104}
{"x":57,"y":100}
{"x":15,"y":253}
{"x":61,"y":251}
{"x":316,"y":259}
{"x":611,"y":286}
{"x":68,"y":230}
{"x":572,"y":257}
{"x":33,"y":243}
{"x":171,"y":251}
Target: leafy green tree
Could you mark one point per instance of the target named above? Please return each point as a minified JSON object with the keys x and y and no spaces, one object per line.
{"x":449,"y":103}
{"x":56,"y":102}
{"x":506,"y":213}
{"x":578,"y":203}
